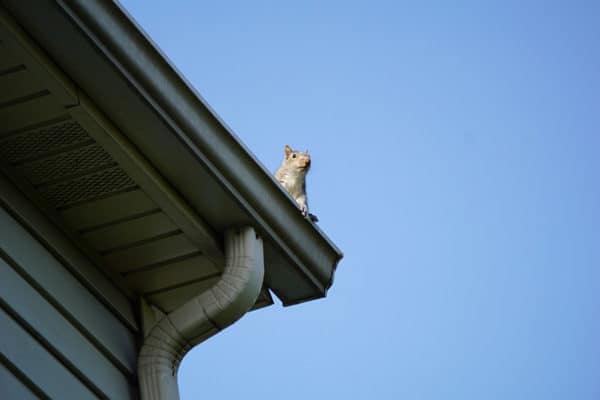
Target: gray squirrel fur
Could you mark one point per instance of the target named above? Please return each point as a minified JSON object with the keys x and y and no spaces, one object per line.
{"x":292,"y":176}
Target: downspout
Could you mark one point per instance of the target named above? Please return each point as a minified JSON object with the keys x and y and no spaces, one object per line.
{"x":168,"y":337}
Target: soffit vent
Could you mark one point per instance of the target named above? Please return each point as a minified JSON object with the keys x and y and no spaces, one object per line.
{"x":90,"y":186}
{"x":35,"y":144}
{"x":65,"y":165}
{"x":55,"y":155}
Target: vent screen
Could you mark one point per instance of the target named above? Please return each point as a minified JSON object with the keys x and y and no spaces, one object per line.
{"x":64,"y":164}
{"x":88,"y":187}
{"x":38,"y":143}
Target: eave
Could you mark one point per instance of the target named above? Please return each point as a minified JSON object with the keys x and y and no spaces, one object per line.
{"x":114,"y":74}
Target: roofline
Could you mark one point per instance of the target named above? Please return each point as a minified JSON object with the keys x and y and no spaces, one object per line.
{"x":207,"y":136}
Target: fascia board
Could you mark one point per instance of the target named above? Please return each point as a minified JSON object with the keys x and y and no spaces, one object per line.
{"x":167,"y":94}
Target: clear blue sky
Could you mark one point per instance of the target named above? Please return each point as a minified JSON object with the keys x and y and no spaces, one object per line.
{"x":456,"y":162}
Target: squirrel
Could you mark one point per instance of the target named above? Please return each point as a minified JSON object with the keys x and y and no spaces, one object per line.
{"x":292,"y":176}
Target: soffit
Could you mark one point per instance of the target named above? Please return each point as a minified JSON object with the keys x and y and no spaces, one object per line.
{"x":147,"y":103}
{"x":58,"y":148}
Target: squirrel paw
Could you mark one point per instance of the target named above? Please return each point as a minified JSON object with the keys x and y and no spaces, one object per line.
{"x":304,"y":210}
{"x":312,"y":217}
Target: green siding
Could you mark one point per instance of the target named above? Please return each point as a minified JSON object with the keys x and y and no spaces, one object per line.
{"x":42,"y":368}
{"x":11,"y":387}
{"x":51,"y":322}
{"x":48,"y":322}
{"x":67,"y":292}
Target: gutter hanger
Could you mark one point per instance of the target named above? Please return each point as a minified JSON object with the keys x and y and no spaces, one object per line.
{"x":168,"y":337}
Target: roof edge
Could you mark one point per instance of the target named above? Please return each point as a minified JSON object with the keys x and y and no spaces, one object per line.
{"x":133,"y":53}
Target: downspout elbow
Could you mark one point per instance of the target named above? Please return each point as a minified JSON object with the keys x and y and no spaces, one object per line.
{"x":174,"y":334}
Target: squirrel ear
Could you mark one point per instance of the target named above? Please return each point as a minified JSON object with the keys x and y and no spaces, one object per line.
{"x":288,"y":150}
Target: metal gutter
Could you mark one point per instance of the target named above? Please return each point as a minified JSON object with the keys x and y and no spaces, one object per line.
{"x":167,"y":338}
{"x":152,"y":74}
{"x":136,"y":60}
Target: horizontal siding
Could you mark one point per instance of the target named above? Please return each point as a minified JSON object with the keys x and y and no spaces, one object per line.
{"x":48,"y":322}
{"x":112,"y":296}
{"x":11,"y":387}
{"x":33,"y":360}
{"x":65,"y":292}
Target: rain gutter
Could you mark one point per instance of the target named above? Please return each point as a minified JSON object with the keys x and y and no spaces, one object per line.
{"x":110,"y":59}
{"x":274,"y":212}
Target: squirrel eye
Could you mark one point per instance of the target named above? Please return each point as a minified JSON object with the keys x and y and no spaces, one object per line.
{"x":294,"y":155}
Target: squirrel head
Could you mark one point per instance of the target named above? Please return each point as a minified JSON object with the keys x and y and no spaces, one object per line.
{"x":297,"y":159}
